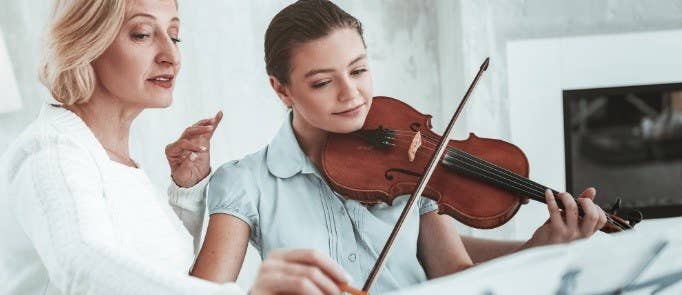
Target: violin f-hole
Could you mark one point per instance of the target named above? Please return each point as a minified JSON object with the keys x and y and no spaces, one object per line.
{"x":389,"y":176}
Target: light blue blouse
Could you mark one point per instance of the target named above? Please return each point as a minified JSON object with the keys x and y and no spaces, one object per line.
{"x":279,"y":193}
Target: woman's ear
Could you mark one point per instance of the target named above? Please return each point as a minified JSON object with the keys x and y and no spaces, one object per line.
{"x":282,"y":91}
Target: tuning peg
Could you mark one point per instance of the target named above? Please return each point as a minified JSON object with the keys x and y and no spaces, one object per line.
{"x":616,"y":205}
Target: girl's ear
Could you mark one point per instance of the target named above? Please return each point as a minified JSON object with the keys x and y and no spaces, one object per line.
{"x":282,"y":91}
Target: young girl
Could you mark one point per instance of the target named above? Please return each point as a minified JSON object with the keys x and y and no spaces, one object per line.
{"x":316,"y":58}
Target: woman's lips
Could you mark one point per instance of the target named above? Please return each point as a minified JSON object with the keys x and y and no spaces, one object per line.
{"x":165,"y":81}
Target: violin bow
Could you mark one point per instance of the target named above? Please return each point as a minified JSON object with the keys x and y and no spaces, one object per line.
{"x":422,"y":182}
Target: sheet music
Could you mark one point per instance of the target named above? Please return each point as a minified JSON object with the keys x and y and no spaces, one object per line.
{"x":612,"y":264}
{"x":537,"y":271}
{"x":628,"y":258}
{"x":649,"y":256}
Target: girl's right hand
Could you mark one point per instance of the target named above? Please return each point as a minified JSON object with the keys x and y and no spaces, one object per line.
{"x":300,"y":271}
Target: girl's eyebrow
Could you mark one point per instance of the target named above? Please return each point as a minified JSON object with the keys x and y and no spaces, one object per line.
{"x":319,"y":71}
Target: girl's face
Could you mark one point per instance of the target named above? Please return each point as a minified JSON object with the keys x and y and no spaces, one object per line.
{"x":330,"y":85}
{"x":140,"y":66}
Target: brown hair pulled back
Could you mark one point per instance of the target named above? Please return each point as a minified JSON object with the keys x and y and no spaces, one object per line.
{"x":300,"y":22}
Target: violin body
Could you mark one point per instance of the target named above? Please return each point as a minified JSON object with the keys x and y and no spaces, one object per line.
{"x":374,"y":174}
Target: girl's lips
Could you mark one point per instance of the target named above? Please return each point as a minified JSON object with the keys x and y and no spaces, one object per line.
{"x":351,"y":112}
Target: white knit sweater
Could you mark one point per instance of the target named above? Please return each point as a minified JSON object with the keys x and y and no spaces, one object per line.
{"x":74,"y":222}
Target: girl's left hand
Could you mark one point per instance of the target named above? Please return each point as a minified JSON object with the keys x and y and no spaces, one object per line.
{"x":566,"y":226}
{"x":189,"y":156}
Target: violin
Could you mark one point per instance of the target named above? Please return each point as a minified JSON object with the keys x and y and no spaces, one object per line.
{"x":479,"y":181}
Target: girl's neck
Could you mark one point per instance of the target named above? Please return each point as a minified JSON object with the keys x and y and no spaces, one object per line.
{"x":310,"y":139}
{"x":110,"y":121}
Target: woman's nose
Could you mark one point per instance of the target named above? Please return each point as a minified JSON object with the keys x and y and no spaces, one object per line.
{"x":168,"y":52}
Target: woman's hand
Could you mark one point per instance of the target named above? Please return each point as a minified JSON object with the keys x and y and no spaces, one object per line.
{"x":299,"y":272}
{"x":189,"y":156}
{"x":566,"y":226}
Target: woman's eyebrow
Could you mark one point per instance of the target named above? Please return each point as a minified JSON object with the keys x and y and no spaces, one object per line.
{"x":147,"y":15}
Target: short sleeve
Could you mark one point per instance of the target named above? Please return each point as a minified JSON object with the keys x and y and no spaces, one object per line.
{"x":426,"y":205}
{"x":233,"y":190}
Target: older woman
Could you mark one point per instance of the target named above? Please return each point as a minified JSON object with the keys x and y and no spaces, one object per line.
{"x":77,"y":214}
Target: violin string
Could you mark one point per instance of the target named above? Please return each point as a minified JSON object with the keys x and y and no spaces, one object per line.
{"x":508,"y":180}
{"x":495,"y":170}
{"x":517,"y":182}
{"x":509,"y":177}
{"x":491,"y":168}
{"x":501,"y":170}
{"x":506,"y":172}
{"x":535,"y":187}
{"x":495,"y":180}
{"x":485,"y":163}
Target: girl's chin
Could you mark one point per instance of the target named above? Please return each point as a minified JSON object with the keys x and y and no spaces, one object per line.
{"x":347,"y":127}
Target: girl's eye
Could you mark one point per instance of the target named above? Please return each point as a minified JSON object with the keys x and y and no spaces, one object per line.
{"x":176,"y":40}
{"x":320,"y":84}
{"x":358,"y":72}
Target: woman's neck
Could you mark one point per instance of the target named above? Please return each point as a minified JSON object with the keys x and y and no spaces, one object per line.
{"x":310,"y":139}
{"x":110,"y":121}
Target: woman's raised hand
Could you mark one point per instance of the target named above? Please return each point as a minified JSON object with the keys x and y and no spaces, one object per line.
{"x":189,"y":156}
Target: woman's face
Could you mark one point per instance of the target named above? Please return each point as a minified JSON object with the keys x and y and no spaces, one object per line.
{"x":140,"y":66}
{"x":330,"y":85}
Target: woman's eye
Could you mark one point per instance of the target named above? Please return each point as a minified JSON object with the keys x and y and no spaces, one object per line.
{"x":176,"y":40}
{"x":320,"y":84}
{"x":358,"y":72}
{"x":141,"y":36}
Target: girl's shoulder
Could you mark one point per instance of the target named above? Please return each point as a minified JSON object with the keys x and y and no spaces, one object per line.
{"x":238,"y":179}
{"x":246,"y":170}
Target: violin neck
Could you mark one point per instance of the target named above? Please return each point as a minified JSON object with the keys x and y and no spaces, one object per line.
{"x":471,"y":166}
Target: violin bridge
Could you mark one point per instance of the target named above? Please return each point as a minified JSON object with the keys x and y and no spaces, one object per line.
{"x":414,"y":146}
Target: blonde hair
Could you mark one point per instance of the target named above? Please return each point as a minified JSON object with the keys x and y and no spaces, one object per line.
{"x":80,"y":31}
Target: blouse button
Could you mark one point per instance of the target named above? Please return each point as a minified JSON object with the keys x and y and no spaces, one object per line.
{"x":352,"y":257}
